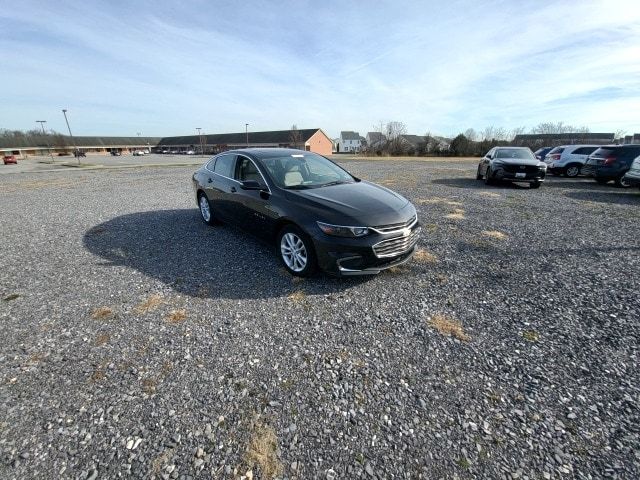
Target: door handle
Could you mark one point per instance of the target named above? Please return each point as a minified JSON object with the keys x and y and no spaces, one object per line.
{"x":209,"y":180}
{"x":233,"y":190}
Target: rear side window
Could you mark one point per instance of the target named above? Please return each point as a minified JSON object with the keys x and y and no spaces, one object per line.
{"x":584,"y":150}
{"x":224,"y":165}
{"x":602,"y":152}
{"x":556,"y":150}
{"x":211,"y":164}
{"x":630,"y":152}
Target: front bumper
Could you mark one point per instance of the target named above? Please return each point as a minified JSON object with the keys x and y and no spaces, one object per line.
{"x":502,"y":174}
{"x":632,"y":179}
{"x":356,"y":256}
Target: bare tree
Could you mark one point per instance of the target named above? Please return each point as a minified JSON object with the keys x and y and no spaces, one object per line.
{"x":295,"y":138}
{"x":471,"y":134}
{"x":394,"y":130}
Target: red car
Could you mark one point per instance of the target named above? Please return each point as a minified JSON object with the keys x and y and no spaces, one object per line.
{"x":10,"y":159}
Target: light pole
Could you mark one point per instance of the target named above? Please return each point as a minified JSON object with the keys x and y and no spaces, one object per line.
{"x":75,"y":152}
{"x":42,"y":122}
{"x":200,"y":141}
{"x":246,"y":131}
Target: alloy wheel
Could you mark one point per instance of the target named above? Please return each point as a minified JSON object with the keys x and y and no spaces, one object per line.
{"x":205,"y":210}
{"x":293,"y":251}
{"x":573,"y":171}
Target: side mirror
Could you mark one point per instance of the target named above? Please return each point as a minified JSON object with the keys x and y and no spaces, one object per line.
{"x":251,"y":185}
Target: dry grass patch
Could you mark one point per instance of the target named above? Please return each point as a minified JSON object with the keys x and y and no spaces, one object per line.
{"x":490,"y":194}
{"x":102,"y":339}
{"x":150,"y":304}
{"x":449,"y":327}
{"x":101,"y":313}
{"x":399,"y":270}
{"x":149,"y":386}
{"x":262,"y":451}
{"x":457,"y":214}
{"x":425,"y":257}
{"x":177,"y":316}
{"x":11,"y":296}
{"x":494,"y":234}
{"x":531,"y":335}
{"x":297,"y":296}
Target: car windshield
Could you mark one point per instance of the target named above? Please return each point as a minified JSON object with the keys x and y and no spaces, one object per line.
{"x":305,"y":170}
{"x":515,"y":153}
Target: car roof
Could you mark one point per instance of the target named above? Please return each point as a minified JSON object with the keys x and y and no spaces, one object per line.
{"x":512,"y":148}
{"x":268,"y":152}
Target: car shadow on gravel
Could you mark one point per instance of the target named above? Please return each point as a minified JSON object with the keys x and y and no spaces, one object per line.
{"x":177,"y":248}
{"x":618,"y":196}
{"x":472,"y":183}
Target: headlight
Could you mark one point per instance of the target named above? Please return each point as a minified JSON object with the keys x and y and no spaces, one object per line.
{"x":341,"y":231}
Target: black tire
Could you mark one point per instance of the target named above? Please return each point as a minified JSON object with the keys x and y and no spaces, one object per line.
{"x":555,"y":173}
{"x":572,"y":170}
{"x":290,"y":263}
{"x":478,"y":174}
{"x":621,"y":182}
{"x":535,"y":184}
{"x":487,"y":177}
{"x":204,"y":205}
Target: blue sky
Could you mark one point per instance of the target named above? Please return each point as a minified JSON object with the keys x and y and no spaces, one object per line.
{"x":165,"y":68}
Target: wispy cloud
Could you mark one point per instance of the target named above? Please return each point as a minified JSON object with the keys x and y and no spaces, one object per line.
{"x":164,"y":68}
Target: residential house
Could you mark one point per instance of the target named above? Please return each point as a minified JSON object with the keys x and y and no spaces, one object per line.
{"x":349,"y":142}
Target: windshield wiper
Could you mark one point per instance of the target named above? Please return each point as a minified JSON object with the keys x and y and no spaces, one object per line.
{"x":337,"y":182}
{"x":298,"y":187}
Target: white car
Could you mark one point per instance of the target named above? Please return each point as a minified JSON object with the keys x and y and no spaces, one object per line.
{"x":568,"y":159}
{"x":138,"y":153}
{"x":190,"y":152}
{"x":632,"y":177}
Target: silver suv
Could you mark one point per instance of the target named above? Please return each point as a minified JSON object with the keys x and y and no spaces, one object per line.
{"x":568,"y":159}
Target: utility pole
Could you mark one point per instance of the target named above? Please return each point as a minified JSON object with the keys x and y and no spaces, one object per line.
{"x":42,"y":122}
{"x":75,"y":149}
{"x":246,"y":131}
{"x":200,"y":141}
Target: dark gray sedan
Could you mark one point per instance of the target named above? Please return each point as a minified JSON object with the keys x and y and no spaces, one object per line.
{"x":511,"y":164}
{"x":316,"y":213}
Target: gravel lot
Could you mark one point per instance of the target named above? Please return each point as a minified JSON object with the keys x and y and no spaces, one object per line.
{"x":139,"y":342}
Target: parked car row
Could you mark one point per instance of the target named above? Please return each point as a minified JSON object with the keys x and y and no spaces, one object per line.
{"x":178,"y":152}
{"x":617,"y":163}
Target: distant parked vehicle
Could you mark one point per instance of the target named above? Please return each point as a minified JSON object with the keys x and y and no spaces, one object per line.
{"x":611,"y":162}
{"x":174,"y":152}
{"x":542,"y":152}
{"x":190,"y":152}
{"x":568,"y":159}
{"x":138,"y":153}
{"x":632,"y":177}
{"x":79,"y":153}
{"x":10,"y":159}
{"x":511,"y":164}
{"x":115,"y":153}
{"x":165,"y":151}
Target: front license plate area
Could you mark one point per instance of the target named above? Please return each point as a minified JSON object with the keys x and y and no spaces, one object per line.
{"x":521,"y":175}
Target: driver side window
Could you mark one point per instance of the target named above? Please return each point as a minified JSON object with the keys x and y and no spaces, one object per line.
{"x":247,"y":170}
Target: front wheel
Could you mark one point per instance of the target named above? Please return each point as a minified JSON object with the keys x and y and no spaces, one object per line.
{"x":535,"y":184}
{"x":478,"y":174}
{"x":487,"y":177}
{"x":296,"y":251}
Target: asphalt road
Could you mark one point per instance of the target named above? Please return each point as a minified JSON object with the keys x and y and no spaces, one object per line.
{"x":139,"y":342}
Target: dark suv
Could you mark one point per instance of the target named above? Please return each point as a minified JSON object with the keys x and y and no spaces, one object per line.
{"x":611,"y":162}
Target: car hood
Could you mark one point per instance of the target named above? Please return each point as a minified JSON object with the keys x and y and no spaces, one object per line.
{"x":517,"y":161}
{"x":360,"y":204}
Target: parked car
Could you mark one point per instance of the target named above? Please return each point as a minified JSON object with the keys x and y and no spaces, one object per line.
{"x":7,"y":159}
{"x":568,"y":159}
{"x":79,"y":153}
{"x":632,"y":177}
{"x":611,"y":162}
{"x":542,"y":152}
{"x":174,"y":152}
{"x":165,"y":151}
{"x":512,"y":164}
{"x":115,"y":153}
{"x":190,"y":152}
{"x":138,"y":153}
{"x":317,"y":213}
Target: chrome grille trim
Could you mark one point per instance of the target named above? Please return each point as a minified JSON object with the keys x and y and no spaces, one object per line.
{"x":392,"y":247}
{"x":395,"y":227}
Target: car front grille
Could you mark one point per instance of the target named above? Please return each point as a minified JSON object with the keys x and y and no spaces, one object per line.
{"x":392,"y":227}
{"x":395,"y":246}
{"x":521,"y":168}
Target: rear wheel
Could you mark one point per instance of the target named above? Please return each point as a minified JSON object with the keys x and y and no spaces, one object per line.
{"x":572,"y":170}
{"x":206,"y":212}
{"x":296,"y":251}
{"x":621,"y":182}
